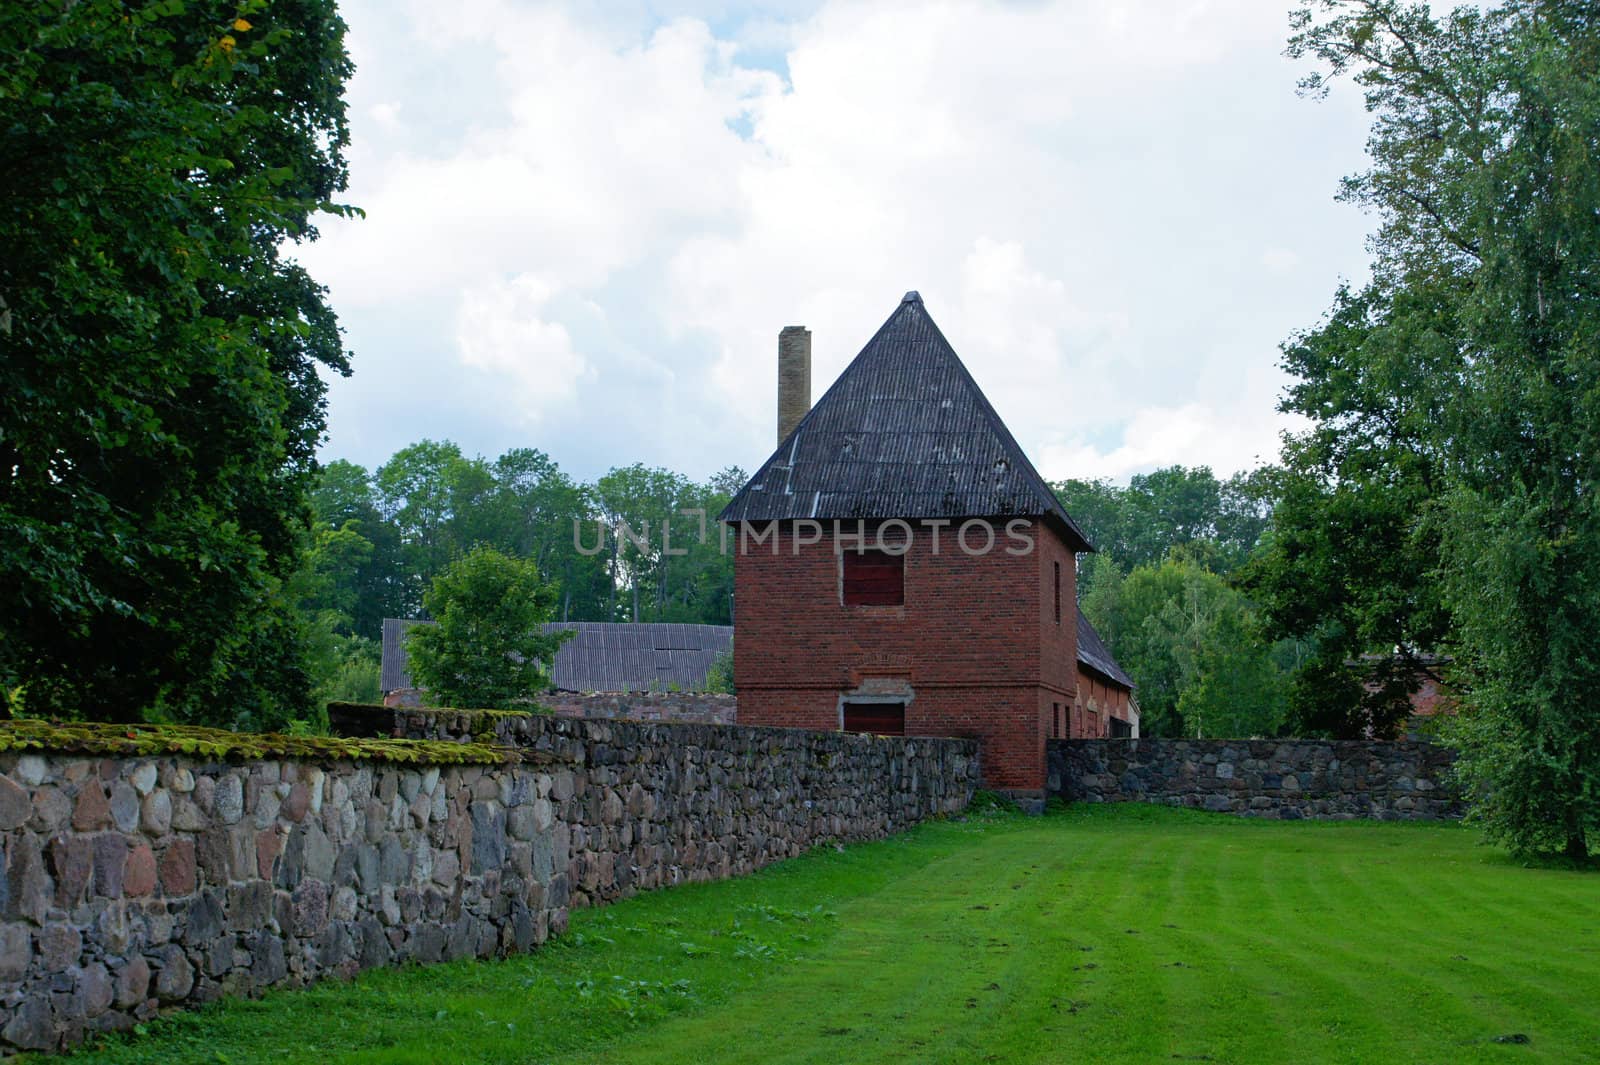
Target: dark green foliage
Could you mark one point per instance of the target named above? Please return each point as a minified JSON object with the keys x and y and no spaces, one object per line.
{"x":487,"y":649}
{"x":1481,"y":338}
{"x":1190,"y":642}
{"x":430,"y":504}
{"x":1349,"y":564}
{"x":1170,"y":507}
{"x":719,"y":678}
{"x":160,"y":403}
{"x":369,"y":586}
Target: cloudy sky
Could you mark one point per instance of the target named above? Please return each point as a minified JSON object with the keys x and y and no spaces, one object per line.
{"x":587,"y":223}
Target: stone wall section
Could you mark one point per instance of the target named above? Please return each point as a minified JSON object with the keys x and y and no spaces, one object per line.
{"x":129,"y":885}
{"x":1289,"y":779}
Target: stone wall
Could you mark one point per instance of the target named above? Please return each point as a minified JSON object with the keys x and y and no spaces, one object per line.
{"x":1291,"y":779}
{"x":128,"y":885}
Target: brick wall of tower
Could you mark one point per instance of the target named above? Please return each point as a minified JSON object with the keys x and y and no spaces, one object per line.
{"x":975,"y":642}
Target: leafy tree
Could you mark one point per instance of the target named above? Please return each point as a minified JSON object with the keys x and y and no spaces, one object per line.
{"x":719,"y":678}
{"x":487,"y":649}
{"x":1166,"y":508}
{"x":374,"y":585}
{"x":1350,"y":565}
{"x":1485,"y":175}
{"x":634,"y":502}
{"x":160,"y":402}
{"x":430,"y":491}
{"x":1191,"y":643}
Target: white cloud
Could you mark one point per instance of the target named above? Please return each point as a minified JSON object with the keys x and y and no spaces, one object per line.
{"x":1190,"y":435}
{"x":622,"y":217}
{"x":499,"y":330}
{"x":1280,"y":259}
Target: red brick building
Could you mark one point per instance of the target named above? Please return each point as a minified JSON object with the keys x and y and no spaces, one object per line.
{"x":901,"y":567}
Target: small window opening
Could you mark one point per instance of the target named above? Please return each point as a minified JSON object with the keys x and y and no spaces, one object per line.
{"x":1057,"y":565}
{"x":874,"y":578}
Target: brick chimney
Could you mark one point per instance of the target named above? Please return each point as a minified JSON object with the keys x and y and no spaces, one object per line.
{"x":794,"y":377}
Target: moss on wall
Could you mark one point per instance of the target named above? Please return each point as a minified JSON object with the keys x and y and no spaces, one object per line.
{"x":96,"y":738}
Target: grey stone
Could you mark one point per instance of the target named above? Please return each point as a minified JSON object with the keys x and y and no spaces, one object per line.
{"x":319,"y":853}
{"x":249,"y":906}
{"x":543,"y":857}
{"x":31,"y":770}
{"x":310,"y":908}
{"x":447,"y":868}
{"x":187,"y":815}
{"x":110,"y":859}
{"x":143,"y":778}
{"x":16,"y":805}
{"x":292,"y":864}
{"x":374,"y":949}
{"x":393,"y":865}
{"x":176,"y":978}
{"x":228,"y":801}
{"x":367,"y":867}
{"x":51,"y":809}
{"x":206,"y":918}
{"x":124,"y":806}
{"x":31,"y":1027}
{"x":94,"y":989}
{"x":16,"y":951}
{"x":132,"y":981}
{"x":270,"y":965}
{"x":156,"y":812}
{"x":60,"y":945}
{"x":488,"y":838}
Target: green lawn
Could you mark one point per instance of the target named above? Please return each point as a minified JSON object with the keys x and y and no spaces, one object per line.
{"x":1091,"y":935}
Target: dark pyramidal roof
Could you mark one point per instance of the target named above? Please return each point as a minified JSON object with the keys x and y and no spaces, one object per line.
{"x":904,"y":432}
{"x":1093,"y":653}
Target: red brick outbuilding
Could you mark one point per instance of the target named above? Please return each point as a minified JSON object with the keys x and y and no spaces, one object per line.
{"x":901,"y":567}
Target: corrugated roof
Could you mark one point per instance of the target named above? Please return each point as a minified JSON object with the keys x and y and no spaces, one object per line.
{"x":602,"y":656}
{"x":1092,"y":652}
{"x":905,"y":432}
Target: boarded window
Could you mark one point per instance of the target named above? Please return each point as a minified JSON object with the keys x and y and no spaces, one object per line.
{"x":874,"y":578}
{"x":883,"y":719}
{"x":1058,"y":592}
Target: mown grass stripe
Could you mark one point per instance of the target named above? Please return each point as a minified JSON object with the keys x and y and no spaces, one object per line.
{"x":1303,"y":943}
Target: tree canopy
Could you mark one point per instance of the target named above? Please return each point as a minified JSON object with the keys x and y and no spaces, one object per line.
{"x":1456,"y":397}
{"x":160,"y":402}
{"x":486,"y":649}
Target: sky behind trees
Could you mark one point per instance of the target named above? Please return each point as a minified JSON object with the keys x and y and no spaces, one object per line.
{"x":585,"y":229}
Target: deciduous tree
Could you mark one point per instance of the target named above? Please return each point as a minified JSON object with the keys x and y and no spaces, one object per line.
{"x":160,"y":402}
{"x":487,"y":649}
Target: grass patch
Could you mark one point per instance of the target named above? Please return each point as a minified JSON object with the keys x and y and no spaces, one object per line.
{"x":1113,"y":934}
